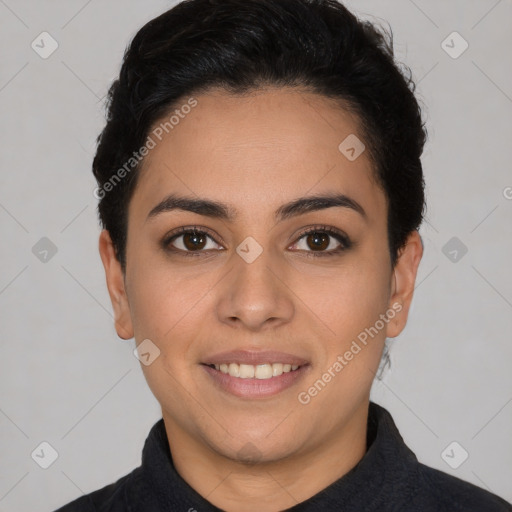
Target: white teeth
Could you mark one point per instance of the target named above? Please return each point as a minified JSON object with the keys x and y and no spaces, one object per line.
{"x":277,"y":369}
{"x":234,"y":370}
{"x":263,"y":371}
{"x":260,"y":371}
{"x":246,"y":371}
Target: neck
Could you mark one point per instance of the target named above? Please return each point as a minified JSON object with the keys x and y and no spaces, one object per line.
{"x":268,"y":485}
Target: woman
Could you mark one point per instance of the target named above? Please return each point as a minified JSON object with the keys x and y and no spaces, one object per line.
{"x":261,"y":191}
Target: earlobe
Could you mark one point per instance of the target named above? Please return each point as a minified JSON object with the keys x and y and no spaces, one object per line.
{"x":116,"y":286}
{"x":404,"y":275}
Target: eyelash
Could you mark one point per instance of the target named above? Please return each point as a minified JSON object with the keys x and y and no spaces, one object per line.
{"x":339,"y":236}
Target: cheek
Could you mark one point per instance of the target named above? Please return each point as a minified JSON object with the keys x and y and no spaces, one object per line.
{"x":350,"y":300}
{"x":171,"y":307}
{"x":158,"y":299}
{"x":351,"y":305}
{"x":156,"y":295}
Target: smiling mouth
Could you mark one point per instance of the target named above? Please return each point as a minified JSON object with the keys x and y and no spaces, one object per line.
{"x":260,"y":371}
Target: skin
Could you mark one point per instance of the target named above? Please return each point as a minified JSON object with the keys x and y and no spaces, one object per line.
{"x":256,"y":153}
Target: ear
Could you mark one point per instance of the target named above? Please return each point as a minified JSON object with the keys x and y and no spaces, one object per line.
{"x":403,"y":283}
{"x":116,"y":287}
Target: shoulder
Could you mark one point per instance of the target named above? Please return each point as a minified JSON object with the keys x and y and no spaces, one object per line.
{"x":110,"y":498}
{"x":440,"y":491}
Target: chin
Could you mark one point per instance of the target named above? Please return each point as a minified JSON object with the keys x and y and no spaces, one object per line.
{"x":258,"y":449}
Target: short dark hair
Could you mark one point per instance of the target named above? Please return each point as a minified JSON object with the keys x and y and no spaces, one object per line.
{"x":243,"y":45}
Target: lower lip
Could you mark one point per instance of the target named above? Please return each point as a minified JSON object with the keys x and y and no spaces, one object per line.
{"x":255,"y":388}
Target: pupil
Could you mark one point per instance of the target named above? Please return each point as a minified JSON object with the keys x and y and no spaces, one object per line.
{"x":196,"y":241}
{"x":319,"y":240}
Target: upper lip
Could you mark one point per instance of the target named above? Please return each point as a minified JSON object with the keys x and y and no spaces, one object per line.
{"x":254,"y":358}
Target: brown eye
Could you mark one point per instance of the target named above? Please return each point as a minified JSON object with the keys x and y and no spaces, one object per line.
{"x":318,"y":241}
{"x":322,"y":241}
{"x":194,"y":240}
{"x":190,"y":241}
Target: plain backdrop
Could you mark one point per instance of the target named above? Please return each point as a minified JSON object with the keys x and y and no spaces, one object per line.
{"x":68,"y":380}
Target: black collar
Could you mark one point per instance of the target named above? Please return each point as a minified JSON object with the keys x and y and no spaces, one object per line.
{"x":387,"y":465}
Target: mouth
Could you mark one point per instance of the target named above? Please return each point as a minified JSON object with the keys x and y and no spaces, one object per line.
{"x":254,"y":375}
{"x":250,"y":371}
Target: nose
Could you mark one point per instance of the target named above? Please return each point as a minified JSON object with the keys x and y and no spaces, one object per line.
{"x":254,"y":293}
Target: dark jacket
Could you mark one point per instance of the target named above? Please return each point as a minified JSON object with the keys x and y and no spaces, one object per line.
{"x":388,"y":478}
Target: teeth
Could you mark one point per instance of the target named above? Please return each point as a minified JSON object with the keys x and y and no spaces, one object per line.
{"x":260,"y":371}
{"x":234,"y":370}
{"x":277,"y":369}
{"x":247,"y":371}
{"x":263,"y":371}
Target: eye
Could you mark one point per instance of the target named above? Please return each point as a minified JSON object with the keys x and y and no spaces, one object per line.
{"x":318,"y":241}
{"x":190,"y":240}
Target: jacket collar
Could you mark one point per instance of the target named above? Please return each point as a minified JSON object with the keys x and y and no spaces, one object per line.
{"x":387,"y":465}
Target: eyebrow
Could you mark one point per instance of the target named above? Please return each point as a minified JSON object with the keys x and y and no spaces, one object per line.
{"x":219,"y":210}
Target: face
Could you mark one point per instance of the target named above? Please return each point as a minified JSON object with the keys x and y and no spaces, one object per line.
{"x":264,"y":280}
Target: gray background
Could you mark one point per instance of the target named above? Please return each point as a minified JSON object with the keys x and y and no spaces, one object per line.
{"x":68,"y":380}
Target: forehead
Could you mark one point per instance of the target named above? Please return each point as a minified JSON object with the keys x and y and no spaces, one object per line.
{"x":258,"y":151}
